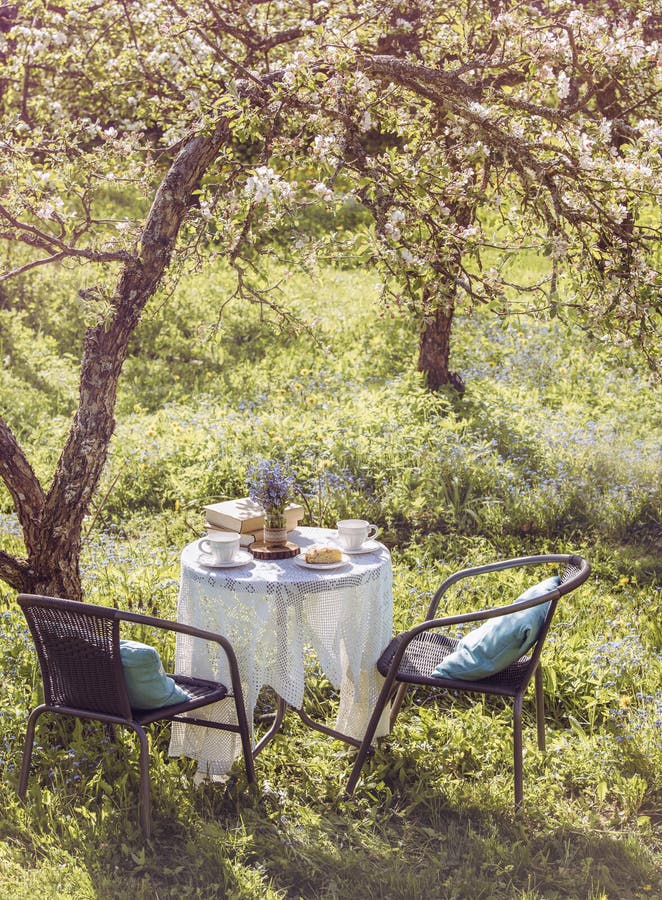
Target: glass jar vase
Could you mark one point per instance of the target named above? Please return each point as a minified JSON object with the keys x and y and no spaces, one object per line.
{"x":275,"y":530}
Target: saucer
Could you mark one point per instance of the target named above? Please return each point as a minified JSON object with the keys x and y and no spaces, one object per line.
{"x":369,"y":547}
{"x":239,"y":559}
{"x":301,"y":561}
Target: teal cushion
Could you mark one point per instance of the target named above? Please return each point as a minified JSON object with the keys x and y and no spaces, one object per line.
{"x":500,"y":641}
{"x":146,"y":681}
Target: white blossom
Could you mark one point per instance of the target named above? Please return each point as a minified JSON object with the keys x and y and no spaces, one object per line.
{"x":362,"y":83}
{"x":366,"y":121}
{"x":605,"y":130}
{"x":478,"y":110}
{"x":619,"y":212}
{"x":323,"y":191}
{"x":651,"y":130}
{"x":266,"y":185}
{"x":46,"y":210}
{"x":562,"y":85}
{"x":325,"y":147}
{"x":206,"y":210}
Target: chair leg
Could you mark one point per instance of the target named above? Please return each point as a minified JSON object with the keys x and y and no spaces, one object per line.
{"x":281,"y":709}
{"x":27,"y":750}
{"x":397,"y":702}
{"x":366,"y":743}
{"x":540,"y":709}
{"x":517,"y":751}
{"x":144,"y":796}
{"x":244,"y":733}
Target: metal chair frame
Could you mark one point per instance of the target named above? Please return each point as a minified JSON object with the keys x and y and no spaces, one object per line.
{"x":78,"y":646}
{"x":400,"y":662}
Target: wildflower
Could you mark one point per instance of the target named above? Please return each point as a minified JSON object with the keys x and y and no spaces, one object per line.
{"x":270,"y":485}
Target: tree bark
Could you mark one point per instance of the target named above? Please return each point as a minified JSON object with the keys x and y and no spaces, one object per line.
{"x":434,"y":344}
{"x":52,"y":520}
{"x":434,"y":348}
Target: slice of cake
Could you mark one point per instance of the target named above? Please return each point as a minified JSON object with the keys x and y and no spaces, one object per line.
{"x":323,"y":555}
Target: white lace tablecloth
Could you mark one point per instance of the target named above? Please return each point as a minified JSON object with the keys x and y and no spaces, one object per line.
{"x":272,"y":612}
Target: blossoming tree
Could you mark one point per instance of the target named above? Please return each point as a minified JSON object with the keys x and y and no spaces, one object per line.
{"x":466,"y":133}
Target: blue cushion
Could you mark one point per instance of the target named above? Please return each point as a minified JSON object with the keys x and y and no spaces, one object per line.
{"x":500,"y":641}
{"x":147,"y":683}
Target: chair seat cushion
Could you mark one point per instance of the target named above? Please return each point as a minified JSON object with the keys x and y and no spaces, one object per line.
{"x":147,"y":684}
{"x":500,"y":641}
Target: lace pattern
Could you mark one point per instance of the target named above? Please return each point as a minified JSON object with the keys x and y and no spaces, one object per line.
{"x":272,"y":613}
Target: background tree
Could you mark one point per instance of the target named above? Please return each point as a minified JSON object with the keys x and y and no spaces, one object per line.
{"x":461,"y":135}
{"x":498,"y":131}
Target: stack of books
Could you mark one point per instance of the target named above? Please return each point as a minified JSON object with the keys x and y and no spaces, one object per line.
{"x":247,"y":518}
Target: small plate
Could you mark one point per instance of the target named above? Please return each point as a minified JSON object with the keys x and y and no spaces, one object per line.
{"x":369,"y":547}
{"x":239,"y":559}
{"x":300,"y":560}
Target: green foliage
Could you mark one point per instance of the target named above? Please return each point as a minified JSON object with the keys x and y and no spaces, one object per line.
{"x":538,"y":445}
{"x":552,"y":447}
{"x":37,"y":379}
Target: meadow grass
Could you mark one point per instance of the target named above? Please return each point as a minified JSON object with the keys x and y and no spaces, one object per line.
{"x":555,"y":446}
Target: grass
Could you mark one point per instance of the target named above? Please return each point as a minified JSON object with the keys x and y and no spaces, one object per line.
{"x":554,"y":446}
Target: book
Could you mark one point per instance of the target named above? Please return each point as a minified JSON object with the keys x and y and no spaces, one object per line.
{"x":246,"y":538}
{"x":244,"y":515}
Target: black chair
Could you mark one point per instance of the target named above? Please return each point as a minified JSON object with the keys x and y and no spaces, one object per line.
{"x":78,"y":646}
{"x":411,"y":656}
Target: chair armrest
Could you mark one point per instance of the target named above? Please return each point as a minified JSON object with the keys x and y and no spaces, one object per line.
{"x":117,"y":615}
{"x":169,"y":625}
{"x":520,"y":561}
{"x":478,"y":616}
{"x":406,"y":637}
{"x":431,"y":622}
{"x":192,"y":631}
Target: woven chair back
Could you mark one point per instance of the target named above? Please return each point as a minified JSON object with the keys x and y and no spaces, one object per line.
{"x":79,"y":656}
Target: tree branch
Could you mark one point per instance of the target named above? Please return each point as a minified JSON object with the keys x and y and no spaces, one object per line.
{"x":29,"y":234}
{"x":15,"y":572}
{"x":72,"y":253}
{"x":106,"y":346}
{"x":22,"y":483}
{"x":55,"y":247}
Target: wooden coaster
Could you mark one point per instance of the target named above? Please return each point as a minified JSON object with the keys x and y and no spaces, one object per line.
{"x":260,"y":550}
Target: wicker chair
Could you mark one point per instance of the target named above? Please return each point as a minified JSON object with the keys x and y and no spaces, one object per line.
{"x":78,"y":646}
{"x":412,"y":656}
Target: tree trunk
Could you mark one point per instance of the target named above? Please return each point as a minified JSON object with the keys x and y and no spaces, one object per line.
{"x":52,"y":521}
{"x":434,"y":343}
{"x":434,"y":347}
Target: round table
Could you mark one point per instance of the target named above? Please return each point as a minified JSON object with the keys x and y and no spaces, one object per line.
{"x":273,"y":612}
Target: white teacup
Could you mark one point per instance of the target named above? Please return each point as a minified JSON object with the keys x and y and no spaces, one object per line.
{"x":221,"y":546}
{"x":353,"y":533}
